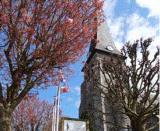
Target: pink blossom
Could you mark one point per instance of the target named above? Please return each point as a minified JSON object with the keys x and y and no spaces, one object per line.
{"x":61,"y":76}
{"x":28,"y":19}
{"x":69,"y":20}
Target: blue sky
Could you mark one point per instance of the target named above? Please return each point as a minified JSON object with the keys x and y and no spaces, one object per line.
{"x":126,"y":20}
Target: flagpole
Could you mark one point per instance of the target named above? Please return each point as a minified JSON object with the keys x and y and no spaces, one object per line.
{"x":53,"y":121}
{"x":58,"y":102}
{"x":56,"y":108}
{"x":54,"y":112}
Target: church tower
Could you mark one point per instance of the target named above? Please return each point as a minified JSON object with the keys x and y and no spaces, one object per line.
{"x":93,"y":105}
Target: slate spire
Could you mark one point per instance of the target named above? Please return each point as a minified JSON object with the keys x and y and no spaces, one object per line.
{"x":105,"y":43}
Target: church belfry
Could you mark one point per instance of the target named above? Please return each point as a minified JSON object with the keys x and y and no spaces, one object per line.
{"x":93,"y":106}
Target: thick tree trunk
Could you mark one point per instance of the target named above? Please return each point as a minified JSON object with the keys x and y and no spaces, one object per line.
{"x":5,"y":119}
{"x":136,"y":126}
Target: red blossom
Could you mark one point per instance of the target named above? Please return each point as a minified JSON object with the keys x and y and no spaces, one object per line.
{"x":37,"y":38}
{"x":32,"y":112}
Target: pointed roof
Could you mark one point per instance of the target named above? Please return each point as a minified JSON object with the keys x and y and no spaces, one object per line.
{"x":105,"y":43}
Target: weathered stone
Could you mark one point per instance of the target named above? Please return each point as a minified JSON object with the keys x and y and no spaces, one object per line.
{"x":93,"y":104}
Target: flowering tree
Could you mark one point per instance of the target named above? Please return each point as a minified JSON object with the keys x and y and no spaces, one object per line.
{"x":131,"y":88}
{"x":32,"y":114}
{"x":36,"y":38}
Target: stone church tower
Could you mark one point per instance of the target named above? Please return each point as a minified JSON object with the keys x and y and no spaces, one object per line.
{"x":93,"y":105}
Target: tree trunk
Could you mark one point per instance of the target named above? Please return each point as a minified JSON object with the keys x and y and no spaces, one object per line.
{"x":5,"y":119}
{"x":32,"y":127}
{"x":136,"y":126}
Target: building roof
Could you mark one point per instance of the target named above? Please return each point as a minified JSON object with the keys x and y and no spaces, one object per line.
{"x":105,"y":43}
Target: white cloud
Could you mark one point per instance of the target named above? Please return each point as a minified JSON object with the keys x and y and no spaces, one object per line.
{"x":156,"y":41}
{"x":116,"y":30}
{"x":77,"y":104}
{"x":77,"y":90}
{"x":139,"y":32}
{"x":69,"y":99}
{"x":134,"y":20}
{"x":139,"y":27}
{"x":116,"y":27}
{"x":152,"y":5}
{"x":109,"y":6}
{"x":153,"y":47}
{"x":135,"y":25}
{"x":128,"y":1}
{"x":119,"y":44}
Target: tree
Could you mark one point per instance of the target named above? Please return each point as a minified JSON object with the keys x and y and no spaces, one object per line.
{"x":37,"y":38}
{"x":132,"y":89}
{"x":32,"y":114}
